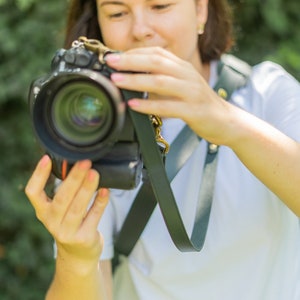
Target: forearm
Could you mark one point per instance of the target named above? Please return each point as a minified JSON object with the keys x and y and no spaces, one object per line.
{"x":76,"y":282}
{"x":270,"y":155}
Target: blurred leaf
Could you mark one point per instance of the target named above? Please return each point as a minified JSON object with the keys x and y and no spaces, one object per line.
{"x":268,"y":29}
{"x":275,"y":16}
{"x":24,"y":4}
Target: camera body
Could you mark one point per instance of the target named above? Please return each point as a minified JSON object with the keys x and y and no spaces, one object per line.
{"x":78,"y":113}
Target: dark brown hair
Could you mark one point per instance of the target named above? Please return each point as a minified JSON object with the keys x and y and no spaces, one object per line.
{"x":217,"y":38}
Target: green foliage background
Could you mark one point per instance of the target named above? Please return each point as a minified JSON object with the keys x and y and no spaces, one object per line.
{"x":30,"y":32}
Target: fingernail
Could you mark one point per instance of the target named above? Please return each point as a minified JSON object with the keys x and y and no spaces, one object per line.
{"x":44,"y":161}
{"x":112,"y":57}
{"x":92,"y":175}
{"x":103,"y":192}
{"x":84,"y":164}
{"x":116,"y":77}
{"x":133,"y":103}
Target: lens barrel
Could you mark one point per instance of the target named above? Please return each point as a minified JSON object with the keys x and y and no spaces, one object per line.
{"x":78,"y":114}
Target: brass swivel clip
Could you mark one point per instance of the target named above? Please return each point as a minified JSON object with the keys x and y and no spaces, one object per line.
{"x":157,"y":123}
{"x":96,"y":47}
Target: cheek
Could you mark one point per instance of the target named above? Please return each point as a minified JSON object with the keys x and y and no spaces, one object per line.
{"x":184,"y":42}
{"x":115,"y":39}
{"x":108,"y":39}
{"x":114,"y":36}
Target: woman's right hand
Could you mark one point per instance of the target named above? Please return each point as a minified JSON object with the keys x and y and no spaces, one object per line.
{"x":68,"y":216}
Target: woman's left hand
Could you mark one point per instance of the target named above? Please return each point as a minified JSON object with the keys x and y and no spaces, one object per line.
{"x":176,"y":90}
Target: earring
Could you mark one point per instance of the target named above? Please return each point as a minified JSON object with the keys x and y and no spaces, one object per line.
{"x":200,"y":29}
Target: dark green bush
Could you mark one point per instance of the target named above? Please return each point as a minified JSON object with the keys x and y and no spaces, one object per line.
{"x":30,"y":32}
{"x":268,"y":30}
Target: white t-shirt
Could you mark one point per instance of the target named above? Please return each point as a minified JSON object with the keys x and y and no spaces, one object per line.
{"x":252,"y":247}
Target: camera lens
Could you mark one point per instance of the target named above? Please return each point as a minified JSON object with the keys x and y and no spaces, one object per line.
{"x":78,"y":114}
{"x":82,"y":114}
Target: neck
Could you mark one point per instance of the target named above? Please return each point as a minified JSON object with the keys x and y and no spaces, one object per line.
{"x":202,"y":68}
{"x":205,"y":71}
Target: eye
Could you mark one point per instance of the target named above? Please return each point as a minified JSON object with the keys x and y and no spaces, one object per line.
{"x":117,"y":15}
{"x":113,"y":11}
{"x":161,"y":6}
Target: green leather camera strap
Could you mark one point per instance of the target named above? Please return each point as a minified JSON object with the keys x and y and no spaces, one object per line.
{"x":156,"y":188}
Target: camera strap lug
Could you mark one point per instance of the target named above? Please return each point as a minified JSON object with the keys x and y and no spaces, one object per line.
{"x":95,"y":46}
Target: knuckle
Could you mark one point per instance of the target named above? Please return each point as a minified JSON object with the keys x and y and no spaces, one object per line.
{"x":158,"y":50}
{"x":39,"y":216}
{"x":58,"y":200}
{"x":96,"y":209}
{"x":61,"y":237}
{"x":29,"y":191}
{"x":159,"y":81}
{"x":75,"y":212}
{"x":155,"y":59}
{"x":75,"y":175}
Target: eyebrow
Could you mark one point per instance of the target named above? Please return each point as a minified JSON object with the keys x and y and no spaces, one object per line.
{"x":111,"y":2}
{"x":115,"y":2}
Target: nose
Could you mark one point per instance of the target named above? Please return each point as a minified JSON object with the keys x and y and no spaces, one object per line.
{"x":142,"y":28}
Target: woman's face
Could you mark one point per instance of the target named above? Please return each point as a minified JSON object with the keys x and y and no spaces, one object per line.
{"x":170,"y":24}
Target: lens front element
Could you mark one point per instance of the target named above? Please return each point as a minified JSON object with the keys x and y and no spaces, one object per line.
{"x":82,"y":114}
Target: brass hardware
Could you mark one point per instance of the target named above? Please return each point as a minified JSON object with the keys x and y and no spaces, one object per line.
{"x":157,"y":123}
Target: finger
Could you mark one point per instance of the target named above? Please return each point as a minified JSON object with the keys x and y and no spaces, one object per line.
{"x":95,"y":213}
{"x":208,"y":106}
{"x":153,"y":50}
{"x":78,"y":207}
{"x":163,"y":108}
{"x":158,"y":84}
{"x":36,"y":184}
{"x":69,"y":187}
{"x":155,"y":60}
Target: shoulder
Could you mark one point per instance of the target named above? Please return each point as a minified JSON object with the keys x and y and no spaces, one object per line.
{"x":268,"y":85}
{"x":273,"y":95}
{"x":269,"y":77}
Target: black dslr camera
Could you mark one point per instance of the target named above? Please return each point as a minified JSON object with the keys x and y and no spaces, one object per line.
{"x":78,"y":113}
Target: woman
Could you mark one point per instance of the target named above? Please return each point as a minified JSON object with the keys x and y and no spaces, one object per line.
{"x":252,"y":248}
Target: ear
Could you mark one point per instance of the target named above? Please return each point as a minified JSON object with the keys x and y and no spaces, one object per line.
{"x":202,"y":12}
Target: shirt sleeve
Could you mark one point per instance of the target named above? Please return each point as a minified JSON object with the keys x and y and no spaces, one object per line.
{"x":281,"y":98}
{"x":113,"y":218}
